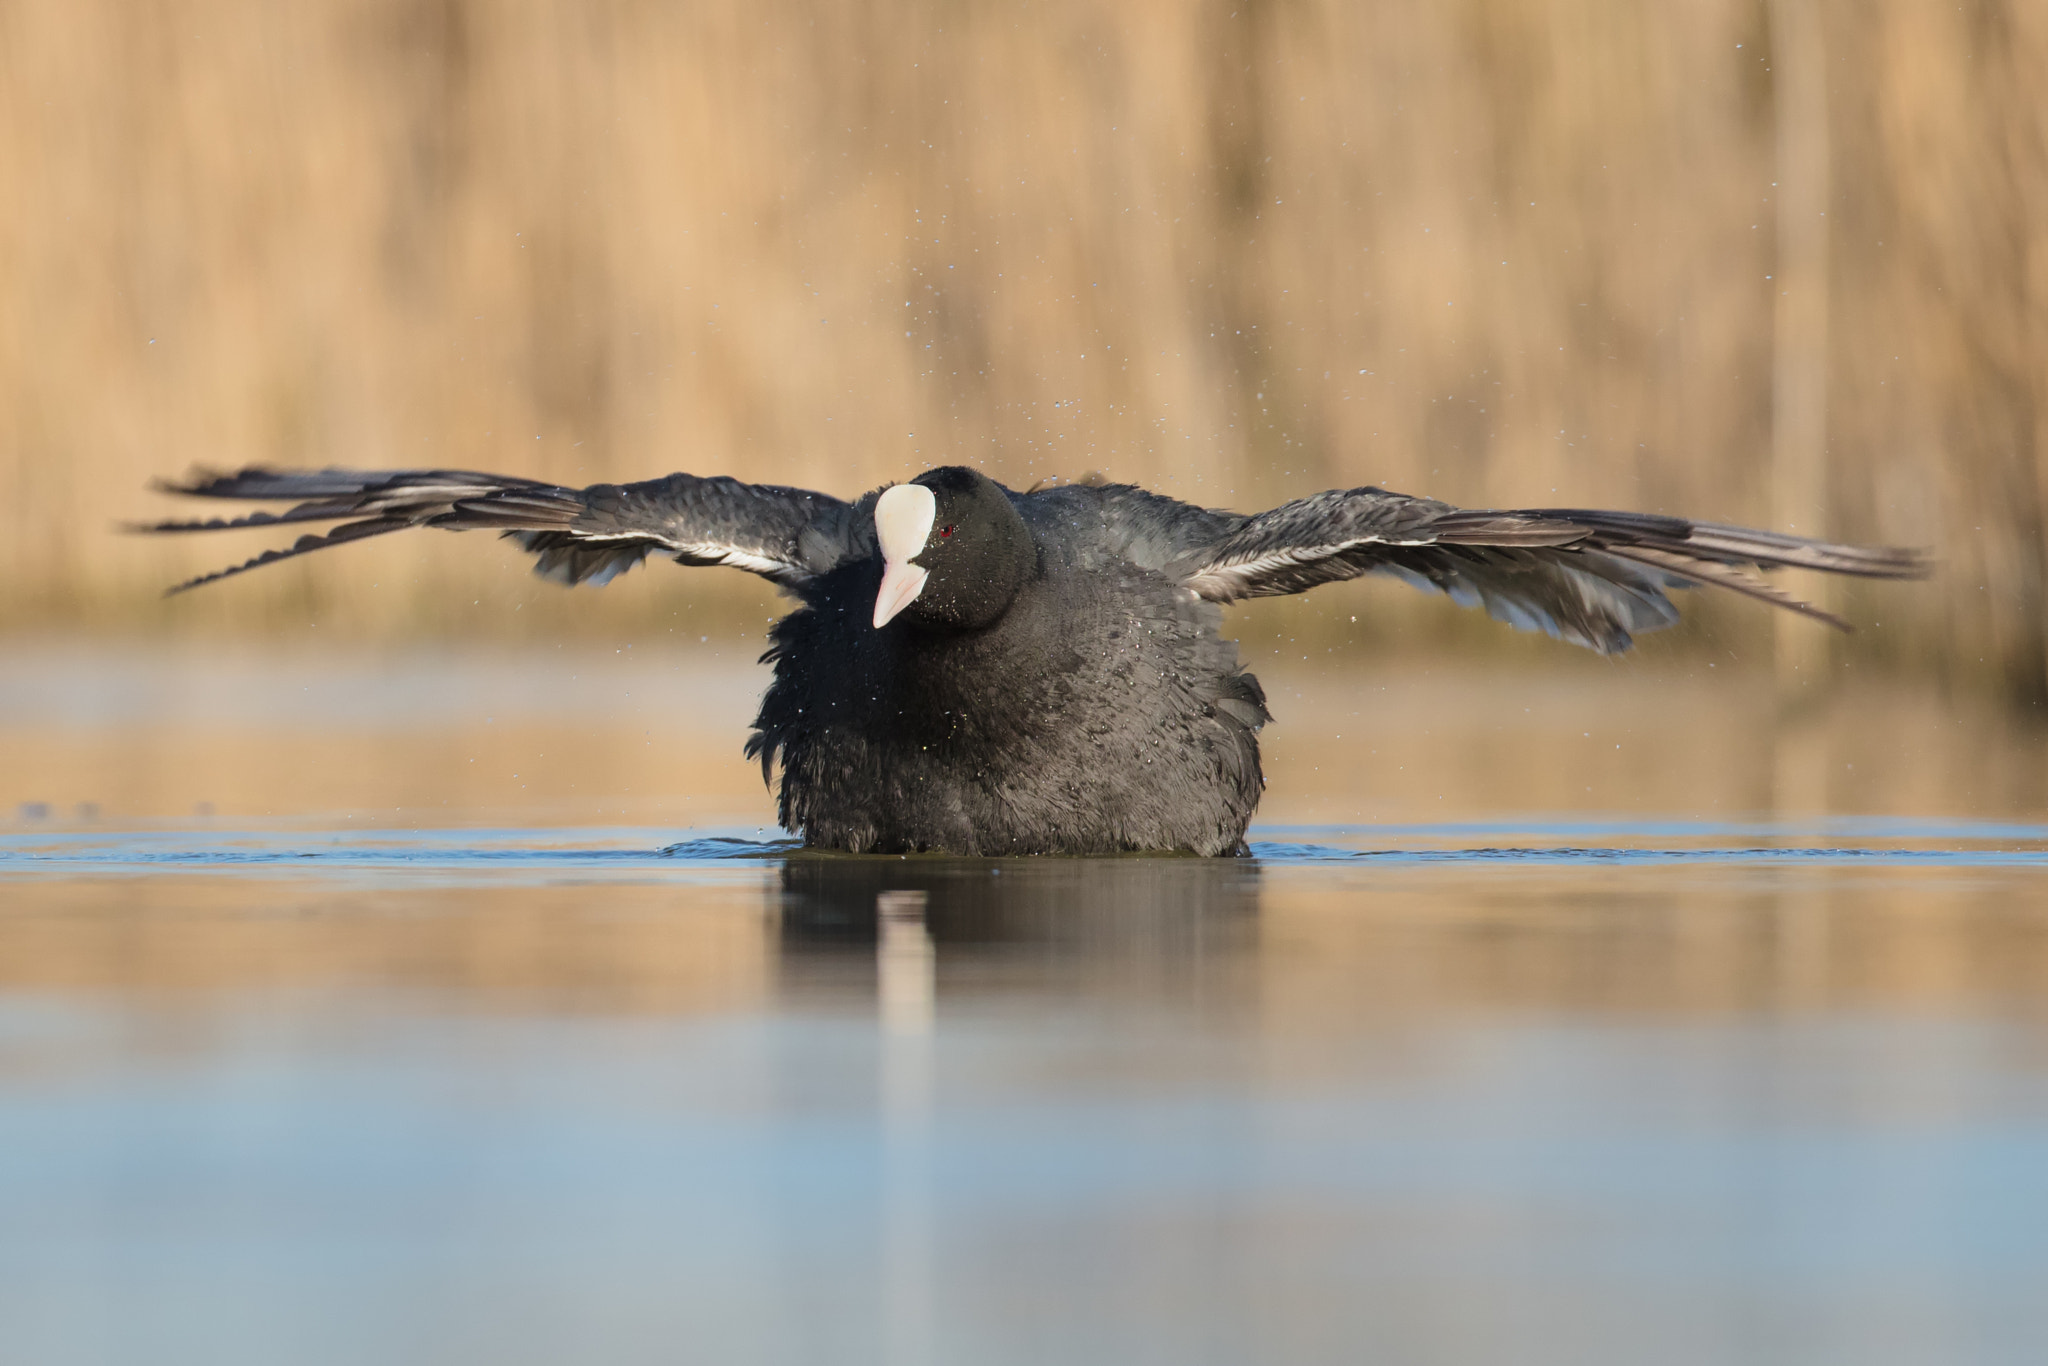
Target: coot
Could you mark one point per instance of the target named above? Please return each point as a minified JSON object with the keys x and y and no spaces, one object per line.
{"x":974,"y":670}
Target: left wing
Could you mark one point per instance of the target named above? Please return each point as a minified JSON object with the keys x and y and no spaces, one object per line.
{"x":589,"y":535}
{"x":1593,"y":578}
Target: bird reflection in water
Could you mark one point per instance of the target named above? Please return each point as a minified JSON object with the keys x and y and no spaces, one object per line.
{"x":906,"y":980}
{"x":1151,"y":925}
{"x":993,"y":910}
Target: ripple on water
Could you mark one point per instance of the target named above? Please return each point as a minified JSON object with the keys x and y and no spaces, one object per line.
{"x":544,"y":852}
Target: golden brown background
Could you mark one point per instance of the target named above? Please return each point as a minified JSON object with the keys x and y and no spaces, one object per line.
{"x":1781,"y":263}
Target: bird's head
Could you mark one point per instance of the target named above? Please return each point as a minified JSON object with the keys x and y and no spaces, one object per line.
{"x":954,"y":550}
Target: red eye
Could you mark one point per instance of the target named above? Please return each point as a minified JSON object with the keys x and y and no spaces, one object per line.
{"x":945,"y":533}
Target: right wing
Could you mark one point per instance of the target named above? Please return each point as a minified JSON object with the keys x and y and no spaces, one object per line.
{"x":578,"y":535}
{"x":1590,"y":577}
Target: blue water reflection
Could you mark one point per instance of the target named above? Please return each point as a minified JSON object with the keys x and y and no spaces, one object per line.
{"x":1820,"y":841}
{"x":1542,"y":1092}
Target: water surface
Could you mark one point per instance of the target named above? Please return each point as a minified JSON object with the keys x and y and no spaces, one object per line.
{"x":418,"y":1081}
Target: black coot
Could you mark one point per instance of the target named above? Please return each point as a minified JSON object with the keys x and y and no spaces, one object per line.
{"x":977,"y":671}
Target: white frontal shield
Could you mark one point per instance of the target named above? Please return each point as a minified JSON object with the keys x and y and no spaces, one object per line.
{"x":903,"y":523}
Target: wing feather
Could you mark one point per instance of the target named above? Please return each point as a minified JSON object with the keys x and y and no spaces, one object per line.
{"x":576,"y":535}
{"x":1592,"y":577}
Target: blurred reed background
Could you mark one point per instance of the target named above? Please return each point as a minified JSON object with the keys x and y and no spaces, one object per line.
{"x":1782,"y":262}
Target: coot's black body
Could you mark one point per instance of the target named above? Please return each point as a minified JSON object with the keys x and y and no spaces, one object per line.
{"x":1101,"y":712}
{"x":978,"y":671}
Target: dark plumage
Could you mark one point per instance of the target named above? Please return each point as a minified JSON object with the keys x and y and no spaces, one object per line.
{"x":978,"y":671}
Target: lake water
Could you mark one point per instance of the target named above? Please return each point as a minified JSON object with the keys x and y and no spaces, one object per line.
{"x":468,"y":1007}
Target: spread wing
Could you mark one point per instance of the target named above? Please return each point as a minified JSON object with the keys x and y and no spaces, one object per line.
{"x":577,"y":535}
{"x":1593,"y":578}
